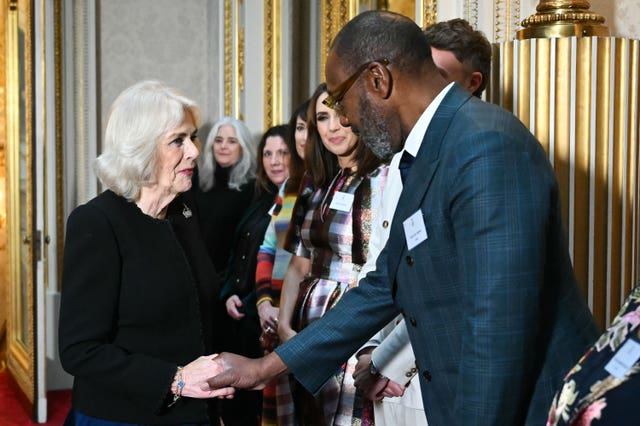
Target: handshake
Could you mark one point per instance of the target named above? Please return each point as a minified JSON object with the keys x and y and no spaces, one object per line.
{"x":218,"y":376}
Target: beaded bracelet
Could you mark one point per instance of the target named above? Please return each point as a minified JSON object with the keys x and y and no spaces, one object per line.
{"x":178,"y":393}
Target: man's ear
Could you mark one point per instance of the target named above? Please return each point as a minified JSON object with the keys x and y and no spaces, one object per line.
{"x":474,"y":81}
{"x":378,"y":80}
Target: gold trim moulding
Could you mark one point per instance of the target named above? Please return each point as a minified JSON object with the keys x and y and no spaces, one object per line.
{"x":563,"y":18}
{"x":563,"y":30}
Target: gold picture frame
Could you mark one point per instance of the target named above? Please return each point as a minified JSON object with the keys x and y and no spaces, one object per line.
{"x":19,"y":143}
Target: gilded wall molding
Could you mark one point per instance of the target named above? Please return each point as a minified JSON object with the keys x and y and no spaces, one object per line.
{"x":471,"y":12}
{"x":59,"y":153}
{"x":20,"y":330}
{"x":272,"y":63}
{"x":429,"y":12}
{"x":334,"y":14}
{"x":506,"y":19}
{"x":228,"y":52}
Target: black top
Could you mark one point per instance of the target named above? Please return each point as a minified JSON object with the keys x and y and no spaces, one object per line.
{"x":240,"y":278}
{"x":137,"y":301}
{"x":220,"y":210}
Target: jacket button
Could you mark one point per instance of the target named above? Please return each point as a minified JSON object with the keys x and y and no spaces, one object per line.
{"x":413,"y":321}
{"x":248,"y":234}
{"x":409,"y":260}
{"x":244,"y":257}
{"x":426,"y":375}
{"x":408,"y":374}
{"x":385,"y":224}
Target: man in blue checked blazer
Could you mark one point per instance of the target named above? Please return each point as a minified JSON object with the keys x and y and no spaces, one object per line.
{"x":476,"y":259}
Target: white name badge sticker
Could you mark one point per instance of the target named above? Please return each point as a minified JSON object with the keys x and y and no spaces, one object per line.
{"x":341,"y":201}
{"x":624,"y":359}
{"x":414,"y":229}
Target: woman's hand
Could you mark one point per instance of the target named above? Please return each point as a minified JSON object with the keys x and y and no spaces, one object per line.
{"x":194,"y":377}
{"x":233,"y":305}
{"x":268,"y":317}
{"x":285,"y":332}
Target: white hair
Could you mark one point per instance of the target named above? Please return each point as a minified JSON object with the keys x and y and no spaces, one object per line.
{"x":139,"y":117}
{"x":242,"y":171}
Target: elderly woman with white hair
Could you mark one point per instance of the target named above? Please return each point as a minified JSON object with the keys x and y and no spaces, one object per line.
{"x":137,"y":285}
{"x":225,"y":186}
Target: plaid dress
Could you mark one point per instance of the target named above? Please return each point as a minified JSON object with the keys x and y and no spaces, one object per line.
{"x":335,"y":236}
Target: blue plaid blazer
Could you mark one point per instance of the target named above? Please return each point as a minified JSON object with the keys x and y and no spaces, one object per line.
{"x":490,"y":300}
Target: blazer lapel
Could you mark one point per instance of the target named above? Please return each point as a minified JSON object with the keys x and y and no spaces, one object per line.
{"x":422,"y":172}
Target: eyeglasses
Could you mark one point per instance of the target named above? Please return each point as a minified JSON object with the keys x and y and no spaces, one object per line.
{"x":334,"y":100}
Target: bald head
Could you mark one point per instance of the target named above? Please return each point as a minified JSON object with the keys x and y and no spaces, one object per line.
{"x":381,"y":77}
{"x":376,"y":35}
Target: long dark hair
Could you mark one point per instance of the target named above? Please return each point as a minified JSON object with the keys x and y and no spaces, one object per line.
{"x":263,"y":183}
{"x":319,"y":161}
{"x":296,"y":165}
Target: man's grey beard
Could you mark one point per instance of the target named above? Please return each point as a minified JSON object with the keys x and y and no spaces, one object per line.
{"x":374,"y":131}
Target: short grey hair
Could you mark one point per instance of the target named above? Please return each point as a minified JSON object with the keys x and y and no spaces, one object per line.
{"x":139,"y":117}
{"x":241,"y":172}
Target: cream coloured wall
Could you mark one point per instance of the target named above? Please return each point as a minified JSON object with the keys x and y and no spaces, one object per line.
{"x":173,"y":41}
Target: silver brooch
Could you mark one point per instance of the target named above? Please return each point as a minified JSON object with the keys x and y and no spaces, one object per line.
{"x":186,"y":211}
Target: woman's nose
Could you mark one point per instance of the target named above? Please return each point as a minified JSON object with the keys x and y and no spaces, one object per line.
{"x":335,"y":122}
{"x":191,"y":149}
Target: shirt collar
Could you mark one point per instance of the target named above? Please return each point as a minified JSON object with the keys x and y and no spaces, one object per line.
{"x":414,"y":140}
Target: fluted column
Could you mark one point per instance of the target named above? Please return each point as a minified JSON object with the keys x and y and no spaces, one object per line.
{"x":579,"y":95}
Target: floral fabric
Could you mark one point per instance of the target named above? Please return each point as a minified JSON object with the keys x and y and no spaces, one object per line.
{"x":591,"y":394}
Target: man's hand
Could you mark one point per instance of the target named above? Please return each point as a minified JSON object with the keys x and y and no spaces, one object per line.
{"x":374,"y":387}
{"x":243,"y":373}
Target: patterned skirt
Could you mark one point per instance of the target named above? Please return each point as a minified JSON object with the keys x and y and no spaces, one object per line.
{"x":338,"y":402}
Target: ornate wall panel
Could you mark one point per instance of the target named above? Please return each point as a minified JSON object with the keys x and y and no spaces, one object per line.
{"x":506,"y":19}
{"x":579,"y":96}
{"x":272,"y":63}
{"x":20,"y":214}
{"x":233,"y":42}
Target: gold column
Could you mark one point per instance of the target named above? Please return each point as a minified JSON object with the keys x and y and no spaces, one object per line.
{"x":576,"y":89}
{"x":562,"y":18}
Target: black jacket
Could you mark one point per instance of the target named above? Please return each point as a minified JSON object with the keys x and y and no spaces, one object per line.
{"x":137,"y":301}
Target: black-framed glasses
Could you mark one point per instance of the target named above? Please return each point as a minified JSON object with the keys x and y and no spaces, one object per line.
{"x":334,"y":99}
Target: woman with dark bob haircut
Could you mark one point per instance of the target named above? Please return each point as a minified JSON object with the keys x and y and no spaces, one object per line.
{"x":137,"y":285}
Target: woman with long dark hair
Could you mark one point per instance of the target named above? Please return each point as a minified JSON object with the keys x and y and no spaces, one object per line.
{"x":331,"y":248}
